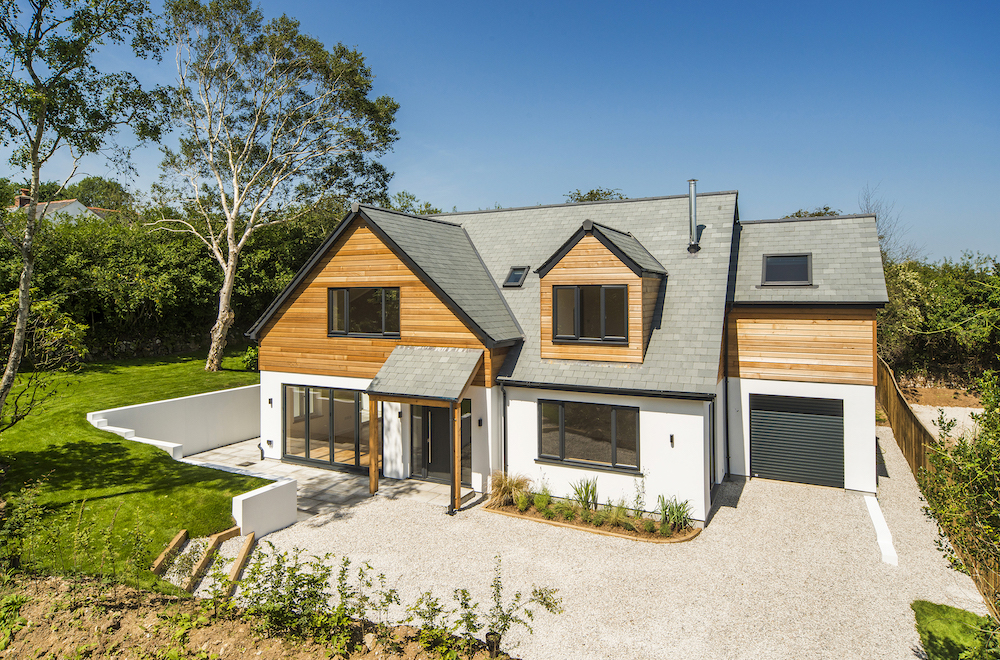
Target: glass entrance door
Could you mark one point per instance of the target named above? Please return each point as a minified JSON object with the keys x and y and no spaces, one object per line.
{"x":431,"y":443}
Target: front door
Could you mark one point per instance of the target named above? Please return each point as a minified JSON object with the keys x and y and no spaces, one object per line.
{"x":431,"y":444}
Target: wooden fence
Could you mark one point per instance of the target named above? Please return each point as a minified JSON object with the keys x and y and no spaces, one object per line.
{"x":913,"y":437}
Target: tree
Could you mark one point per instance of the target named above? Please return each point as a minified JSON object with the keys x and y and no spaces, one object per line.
{"x":407,"y":202}
{"x":594,"y":195}
{"x":818,"y":212}
{"x":101,"y":193}
{"x":52,"y":96}
{"x":271,"y":123}
{"x":888,"y":225}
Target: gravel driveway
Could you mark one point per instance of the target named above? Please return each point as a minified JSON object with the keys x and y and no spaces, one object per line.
{"x":781,"y":571}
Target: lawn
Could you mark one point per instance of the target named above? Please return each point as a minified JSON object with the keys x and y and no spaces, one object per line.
{"x":137,"y":487}
{"x":945,"y":632}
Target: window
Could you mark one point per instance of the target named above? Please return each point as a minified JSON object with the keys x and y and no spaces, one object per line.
{"x":363,"y":311}
{"x":787,"y":269}
{"x":327,"y":426}
{"x":590,"y":313}
{"x":515,"y":278}
{"x":588,"y":433}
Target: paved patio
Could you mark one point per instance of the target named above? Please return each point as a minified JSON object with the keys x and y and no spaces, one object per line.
{"x":323,"y":491}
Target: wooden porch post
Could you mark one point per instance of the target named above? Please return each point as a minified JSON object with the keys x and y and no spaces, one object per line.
{"x":456,"y":459}
{"x":373,"y":445}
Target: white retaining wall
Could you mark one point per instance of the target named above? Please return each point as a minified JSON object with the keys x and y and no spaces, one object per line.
{"x":197,"y":423}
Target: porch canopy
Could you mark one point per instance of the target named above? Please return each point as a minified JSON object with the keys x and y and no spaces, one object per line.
{"x":425,"y":376}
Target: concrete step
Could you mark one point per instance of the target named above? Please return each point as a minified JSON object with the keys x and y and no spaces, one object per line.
{"x":128,"y":434}
{"x":175,"y":450}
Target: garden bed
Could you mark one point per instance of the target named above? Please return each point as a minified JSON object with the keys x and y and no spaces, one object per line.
{"x":605,"y":529}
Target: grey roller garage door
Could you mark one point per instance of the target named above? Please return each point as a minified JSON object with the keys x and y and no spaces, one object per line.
{"x":797,"y":439}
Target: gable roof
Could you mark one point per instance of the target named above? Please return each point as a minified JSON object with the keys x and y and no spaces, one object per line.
{"x":682,"y":357}
{"x":442,"y":255}
{"x":72,"y":207}
{"x":846,"y":261}
{"x":622,"y":244}
{"x":426,"y":372}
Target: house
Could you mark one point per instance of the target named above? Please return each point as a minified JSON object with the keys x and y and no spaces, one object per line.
{"x":58,"y":209}
{"x":657,"y":343}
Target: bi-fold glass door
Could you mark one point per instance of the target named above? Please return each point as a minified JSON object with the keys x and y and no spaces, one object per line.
{"x":328,"y":426}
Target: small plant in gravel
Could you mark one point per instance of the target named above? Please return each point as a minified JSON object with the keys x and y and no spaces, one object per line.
{"x":585,"y":493}
{"x":543,"y":497}
{"x":522,"y":501}
{"x":518,"y":611}
{"x":504,"y":488}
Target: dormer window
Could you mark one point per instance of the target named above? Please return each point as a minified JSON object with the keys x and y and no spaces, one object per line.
{"x":590,"y":313}
{"x":787,"y":270}
{"x":515,"y":278}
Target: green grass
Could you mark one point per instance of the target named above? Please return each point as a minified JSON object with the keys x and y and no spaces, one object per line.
{"x":78,"y":462}
{"x":945,"y":632}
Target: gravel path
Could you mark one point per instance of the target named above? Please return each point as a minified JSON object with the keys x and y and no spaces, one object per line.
{"x":782,"y":571}
{"x":929,"y":414}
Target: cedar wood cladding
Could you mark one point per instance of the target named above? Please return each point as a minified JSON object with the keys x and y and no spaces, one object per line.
{"x":827,"y":345}
{"x":295,"y":338}
{"x":590,"y":262}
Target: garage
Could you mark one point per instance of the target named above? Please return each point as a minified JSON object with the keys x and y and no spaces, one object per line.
{"x":797,"y":439}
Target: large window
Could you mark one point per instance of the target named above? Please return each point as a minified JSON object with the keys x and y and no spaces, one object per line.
{"x":589,"y":433}
{"x":329,"y":426}
{"x":787,"y":269}
{"x":590,"y":313}
{"x":363,"y":311}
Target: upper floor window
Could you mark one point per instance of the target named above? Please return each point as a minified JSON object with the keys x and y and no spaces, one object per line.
{"x":590,"y":313}
{"x":363,"y":311}
{"x":515,"y":277}
{"x":787,"y":269}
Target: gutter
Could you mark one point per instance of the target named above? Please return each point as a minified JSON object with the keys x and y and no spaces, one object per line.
{"x":618,"y":391}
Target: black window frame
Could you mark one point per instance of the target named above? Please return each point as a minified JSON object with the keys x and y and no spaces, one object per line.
{"x":577,"y":321}
{"x":807,"y":282}
{"x":345,"y":293}
{"x":330,"y":464}
{"x":561,"y":459}
{"x":507,"y":284}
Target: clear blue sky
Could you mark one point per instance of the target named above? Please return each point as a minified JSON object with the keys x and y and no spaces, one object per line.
{"x":794,"y":104}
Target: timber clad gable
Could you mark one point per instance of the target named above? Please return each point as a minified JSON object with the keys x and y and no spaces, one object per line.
{"x":295,"y":338}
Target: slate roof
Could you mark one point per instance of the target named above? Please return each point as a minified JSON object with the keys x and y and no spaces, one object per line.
{"x":684,"y":350}
{"x":846,"y":261}
{"x":425,"y":372}
{"x":632,"y":248}
{"x":445,"y":253}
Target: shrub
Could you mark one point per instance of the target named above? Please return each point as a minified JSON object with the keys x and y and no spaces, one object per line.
{"x":617,"y":513}
{"x":648,"y":525}
{"x":585,"y":493}
{"x":521,"y":500}
{"x":543,"y":498}
{"x":250,"y":359}
{"x":565,"y":509}
{"x":548,"y":514}
{"x":599,"y":518}
{"x":503,"y":488}
{"x":674,"y":515}
{"x":502,"y":616}
{"x":586,"y":515}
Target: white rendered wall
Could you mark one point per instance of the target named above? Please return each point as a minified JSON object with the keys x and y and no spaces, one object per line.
{"x":396,"y":460}
{"x":197,"y":423}
{"x":859,"y":424}
{"x":680,"y":471}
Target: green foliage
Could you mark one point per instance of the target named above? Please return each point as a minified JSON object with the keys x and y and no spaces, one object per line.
{"x":565,"y":509}
{"x":594,"y":195}
{"x":250,"y":359}
{"x":648,"y":525}
{"x":949,"y":633}
{"x":522,"y":500}
{"x":543,"y":497}
{"x":617,"y":513}
{"x":818,"y":212}
{"x":675,"y":516}
{"x":585,"y":493}
{"x":548,"y":513}
{"x":10,"y":619}
{"x":943,"y":319}
{"x":503,"y":615}
{"x":962,"y":486}
{"x":408,"y":203}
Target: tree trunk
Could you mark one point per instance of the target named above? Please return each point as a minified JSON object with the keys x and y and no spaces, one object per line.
{"x":23,"y":293}
{"x":224,"y":321}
